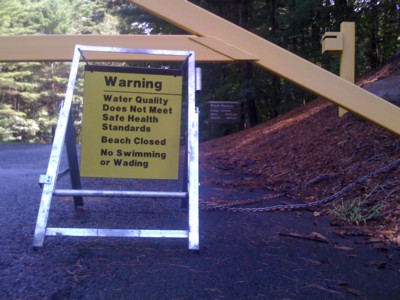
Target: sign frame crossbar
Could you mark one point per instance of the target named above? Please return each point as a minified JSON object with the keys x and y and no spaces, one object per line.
{"x":64,"y":134}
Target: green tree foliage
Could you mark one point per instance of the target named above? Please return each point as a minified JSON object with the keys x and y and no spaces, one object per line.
{"x":133,"y":20}
{"x":31,"y":93}
{"x":380,"y":31}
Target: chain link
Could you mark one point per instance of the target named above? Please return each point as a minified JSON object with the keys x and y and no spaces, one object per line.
{"x":231,"y":204}
{"x":232,"y":207}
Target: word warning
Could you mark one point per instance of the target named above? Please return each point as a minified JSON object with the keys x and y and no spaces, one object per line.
{"x":131,"y":122}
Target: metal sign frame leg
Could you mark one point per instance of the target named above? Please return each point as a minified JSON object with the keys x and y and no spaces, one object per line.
{"x":50,"y":178}
{"x":193,"y":158}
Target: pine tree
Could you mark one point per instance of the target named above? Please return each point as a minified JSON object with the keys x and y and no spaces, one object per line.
{"x":31,"y":92}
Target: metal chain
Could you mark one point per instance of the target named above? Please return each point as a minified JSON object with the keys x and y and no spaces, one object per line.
{"x":286,"y":207}
{"x":231,"y":204}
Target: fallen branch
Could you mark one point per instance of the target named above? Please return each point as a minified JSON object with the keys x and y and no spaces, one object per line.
{"x":312,"y":237}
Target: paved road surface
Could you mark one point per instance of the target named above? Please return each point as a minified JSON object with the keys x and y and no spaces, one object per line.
{"x":242,"y":256}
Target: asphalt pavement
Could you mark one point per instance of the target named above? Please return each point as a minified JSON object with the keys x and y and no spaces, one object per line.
{"x":242,"y":255}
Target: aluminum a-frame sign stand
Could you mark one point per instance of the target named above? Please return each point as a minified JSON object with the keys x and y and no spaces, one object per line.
{"x":64,"y":133}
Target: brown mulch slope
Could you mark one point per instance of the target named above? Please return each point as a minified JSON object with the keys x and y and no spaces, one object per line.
{"x":311,"y":153}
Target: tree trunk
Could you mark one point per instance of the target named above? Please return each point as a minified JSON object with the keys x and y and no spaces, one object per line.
{"x":247,"y":69}
{"x":250,"y":107}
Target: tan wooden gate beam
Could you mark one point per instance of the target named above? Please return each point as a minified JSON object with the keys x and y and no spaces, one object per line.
{"x":277,"y":60}
{"x":61,"y":47}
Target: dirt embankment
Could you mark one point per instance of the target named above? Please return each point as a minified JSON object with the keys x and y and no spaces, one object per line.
{"x":311,"y":153}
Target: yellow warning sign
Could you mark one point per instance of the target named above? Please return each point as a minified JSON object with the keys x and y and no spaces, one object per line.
{"x":131,"y":122}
